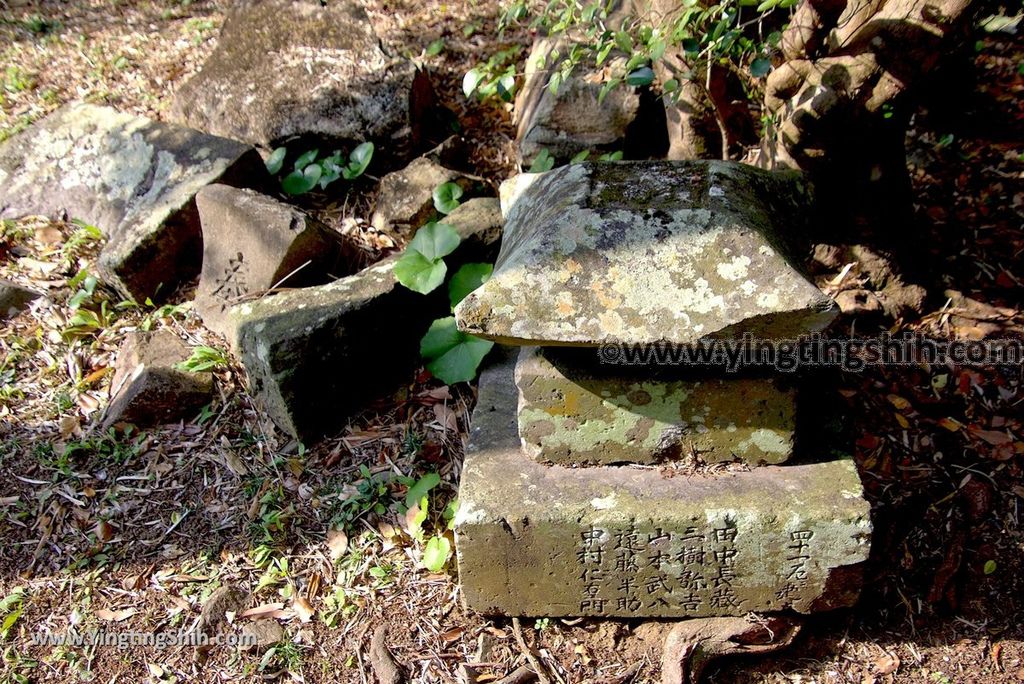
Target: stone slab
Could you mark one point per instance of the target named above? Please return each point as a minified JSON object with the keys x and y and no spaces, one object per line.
{"x":576,"y":413}
{"x":148,"y":388}
{"x":547,"y":540}
{"x":645,"y":253}
{"x":133,"y":178}
{"x":252,"y":243}
{"x":287,"y":68}
{"x":316,"y":355}
{"x":14,"y":299}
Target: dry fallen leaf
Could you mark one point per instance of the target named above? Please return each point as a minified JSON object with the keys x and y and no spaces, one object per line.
{"x":303,"y":608}
{"x":337,"y":543}
{"x":887,"y":664}
{"x":115,"y":615}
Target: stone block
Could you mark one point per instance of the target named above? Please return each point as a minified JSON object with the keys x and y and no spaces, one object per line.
{"x":252,"y":243}
{"x":547,"y":540}
{"x":577,"y":413}
{"x":133,"y":178}
{"x":648,"y":253}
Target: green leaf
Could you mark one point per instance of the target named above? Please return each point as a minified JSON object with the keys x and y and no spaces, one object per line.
{"x":299,"y":182}
{"x":471,"y":80}
{"x":421,"y":488}
{"x":691,"y":46}
{"x":611,"y":156}
{"x":436,"y":553}
{"x":542,"y":162}
{"x":506,"y":86}
{"x":467,"y":279}
{"x":446,"y":197}
{"x":450,"y":512}
{"x":624,"y":41}
{"x":640,"y":77}
{"x":555,"y":83}
{"x":580,"y":157}
{"x":358,"y":160}
{"x":670,"y":86}
{"x":607,"y":88}
{"x":454,"y":356}
{"x":990,"y":567}
{"x":416,"y":523}
{"x":306,"y":159}
{"x":419,"y":273}
{"x":435,"y":47}
{"x":435,"y":241}
{"x":276,"y":160}
{"x":760,"y":67}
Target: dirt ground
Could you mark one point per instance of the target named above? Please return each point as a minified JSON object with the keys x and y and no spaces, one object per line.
{"x":137,"y":531}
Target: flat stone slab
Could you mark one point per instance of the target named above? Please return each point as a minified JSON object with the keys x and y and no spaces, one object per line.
{"x":405,"y":200}
{"x":316,"y":355}
{"x":575,"y":413}
{"x":647,"y":252}
{"x":547,"y":540}
{"x":252,"y":243}
{"x":133,"y":178}
{"x":148,"y":388}
{"x":284,"y":68}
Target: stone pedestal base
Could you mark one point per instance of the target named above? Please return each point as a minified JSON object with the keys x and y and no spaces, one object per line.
{"x":546,"y":540}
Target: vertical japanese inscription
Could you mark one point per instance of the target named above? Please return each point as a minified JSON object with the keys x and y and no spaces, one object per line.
{"x":233,"y":282}
{"x":798,"y":556}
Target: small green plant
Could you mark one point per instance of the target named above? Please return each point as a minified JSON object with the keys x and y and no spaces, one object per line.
{"x":311,"y":170}
{"x":446,"y":197}
{"x":542,"y":162}
{"x":541,"y":624}
{"x":16,"y":80}
{"x":11,"y":608}
{"x":451,"y":355}
{"x":494,"y":78}
{"x":203,"y":359}
{"x":436,"y":553}
{"x":371,"y":495}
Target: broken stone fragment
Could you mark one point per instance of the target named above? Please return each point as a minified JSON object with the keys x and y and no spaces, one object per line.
{"x":133,"y":178}
{"x":574,"y":413}
{"x":548,"y":540}
{"x":260,"y":635}
{"x":252,"y":243}
{"x":645,"y":253}
{"x":316,"y":355}
{"x":14,"y":299}
{"x":406,"y":198}
{"x":571,"y":120}
{"x":148,"y":387}
{"x":286,"y":69}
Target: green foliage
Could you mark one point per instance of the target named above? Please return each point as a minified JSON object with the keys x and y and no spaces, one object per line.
{"x":722,"y":32}
{"x":421,"y":268}
{"x":10,"y":611}
{"x":467,"y":279}
{"x":421,"y":488}
{"x":436,"y":553}
{"x":453,"y":355}
{"x":542,"y":162}
{"x":204,"y":358}
{"x":494,"y":78}
{"x":446,"y":197}
{"x":311,"y":171}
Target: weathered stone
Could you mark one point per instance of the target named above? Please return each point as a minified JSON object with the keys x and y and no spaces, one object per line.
{"x":571,"y":120}
{"x":148,"y":388}
{"x":224,"y":600}
{"x":14,"y":299}
{"x":575,"y":413}
{"x":647,"y":252}
{"x":132,"y":178}
{"x":316,"y":355}
{"x":406,"y":198}
{"x":283,"y":69}
{"x":260,"y":635}
{"x":547,"y":540}
{"x":252,"y":243}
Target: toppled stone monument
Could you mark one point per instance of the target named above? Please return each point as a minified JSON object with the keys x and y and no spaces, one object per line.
{"x":133,"y":178}
{"x":252,"y":243}
{"x":14,"y":299}
{"x":285,"y":69}
{"x":317,"y":354}
{"x":148,"y":386}
{"x":561,"y":513}
{"x":405,"y":201}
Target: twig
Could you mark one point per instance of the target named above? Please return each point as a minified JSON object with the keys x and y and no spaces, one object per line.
{"x":535,"y":663}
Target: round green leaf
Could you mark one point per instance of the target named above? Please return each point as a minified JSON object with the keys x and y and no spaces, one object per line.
{"x":418,"y":273}
{"x":436,"y":553}
{"x":760,"y":67}
{"x":306,"y":159}
{"x":467,"y":279}
{"x":459,"y":364}
{"x":471,"y":80}
{"x":435,"y":240}
{"x":441,"y":337}
{"x":276,"y":160}
{"x":358,"y":160}
{"x":542,"y":162}
{"x":640,"y":77}
{"x":299,"y":182}
{"x":421,"y":488}
{"x":446,"y":197}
